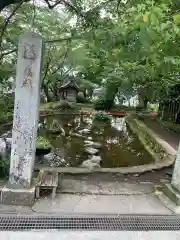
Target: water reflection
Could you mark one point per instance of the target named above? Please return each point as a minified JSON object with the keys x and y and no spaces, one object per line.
{"x":69,"y":135}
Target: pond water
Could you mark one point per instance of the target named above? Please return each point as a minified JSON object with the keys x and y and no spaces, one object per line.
{"x":115,"y":143}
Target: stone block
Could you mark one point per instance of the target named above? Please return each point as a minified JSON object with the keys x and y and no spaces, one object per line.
{"x":22,"y":196}
{"x":172,"y":194}
{"x":91,"y":151}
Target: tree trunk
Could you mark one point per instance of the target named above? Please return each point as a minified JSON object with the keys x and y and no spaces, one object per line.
{"x":46,"y":92}
{"x":145,"y":102}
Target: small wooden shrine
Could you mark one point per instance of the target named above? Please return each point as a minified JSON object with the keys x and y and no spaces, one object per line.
{"x":69,"y":91}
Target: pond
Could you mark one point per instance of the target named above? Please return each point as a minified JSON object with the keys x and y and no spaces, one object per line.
{"x":75,"y":138}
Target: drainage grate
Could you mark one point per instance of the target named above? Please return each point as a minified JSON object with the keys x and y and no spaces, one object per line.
{"x":89,"y":222}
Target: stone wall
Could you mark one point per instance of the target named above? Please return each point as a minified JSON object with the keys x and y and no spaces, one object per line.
{"x":157,"y":147}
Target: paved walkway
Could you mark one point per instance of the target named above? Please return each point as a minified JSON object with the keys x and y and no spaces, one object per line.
{"x":171,"y":138}
{"x":104,"y":197}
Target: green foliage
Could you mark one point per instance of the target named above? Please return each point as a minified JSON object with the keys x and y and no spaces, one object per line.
{"x":101,"y":116}
{"x":103,"y":104}
{"x":6,"y":106}
{"x":81,"y":99}
{"x":129,"y":47}
{"x":4,"y":166}
{"x":99,"y":104}
{"x":42,"y":142}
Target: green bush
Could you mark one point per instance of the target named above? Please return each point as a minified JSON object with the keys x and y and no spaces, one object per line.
{"x":4,"y":166}
{"x":103,"y":104}
{"x":101,"y":116}
{"x":61,"y":106}
{"x":6,"y":106}
{"x":99,"y":104}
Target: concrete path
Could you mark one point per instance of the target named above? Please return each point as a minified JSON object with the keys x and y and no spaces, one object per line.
{"x":91,"y":235}
{"x":171,"y":138}
{"x":80,"y":196}
{"x":86,"y":203}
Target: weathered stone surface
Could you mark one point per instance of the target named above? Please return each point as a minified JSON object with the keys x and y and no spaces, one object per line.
{"x":93,"y":144}
{"x":84,"y":131}
{"x":176,"y":172}
{"x":50,"y":156}
{"x":87,"y":142}
{"x":172,"y":194}
{"x":91,"y":151}
{"x":2,"y":145}
{"x":23,"y":197}
{"x":26,"y":110}
{"x":95,"y":159}
{"x":90,"y":165}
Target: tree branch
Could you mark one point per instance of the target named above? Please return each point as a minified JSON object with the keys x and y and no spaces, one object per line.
{"x":8,"y":52}
{"x":47,"y":66}
{"x":8,"y":20}
{"x":54,"y":5}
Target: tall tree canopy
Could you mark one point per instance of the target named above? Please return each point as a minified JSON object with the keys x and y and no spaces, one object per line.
{"x":126,"y":46}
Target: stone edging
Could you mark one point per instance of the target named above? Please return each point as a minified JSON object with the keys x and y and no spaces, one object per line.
{"x":159,"y":144}
{"x":168,"y":159}
{"x":122,"y":170}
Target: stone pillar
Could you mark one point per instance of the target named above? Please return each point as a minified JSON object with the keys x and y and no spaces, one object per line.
{"x":172,"y":191}
{"x":175,"y":182}
{"x":26,"y":116}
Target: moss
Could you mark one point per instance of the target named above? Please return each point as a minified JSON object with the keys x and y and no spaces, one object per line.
{"x":147,"y":138}
{"x":171,"y":126}
{"x":58,"y":108}
{"x":42,"y":142}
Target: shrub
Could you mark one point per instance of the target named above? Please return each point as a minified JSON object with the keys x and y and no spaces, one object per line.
{"x":99,"y":104}
{"x":6,"y":106}
{"x":61,"y":106}
{"x":103,"y":104}
{"x":101,"y":116}
{"x":4,"y":166}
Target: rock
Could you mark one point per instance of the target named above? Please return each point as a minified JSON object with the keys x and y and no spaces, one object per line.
{"x":49,"y":157}
{"x":85,"y":131}
{"x":87,"y":142}
{"x":90,"y":165}
{"x":93,"y":144}
{"x":76,"y":135}
{"x":2,"y":145}
{"x":8,"y":140}
{"x":40,"y":125}
{"x":7,"y":135}
{"x":95,"y":159}
{"x":89,"y":138}
{"x":91,"y":151}
{"x":97,"y":145}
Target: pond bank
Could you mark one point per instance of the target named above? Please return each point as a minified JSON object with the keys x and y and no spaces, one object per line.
{"x":160,"y":150}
